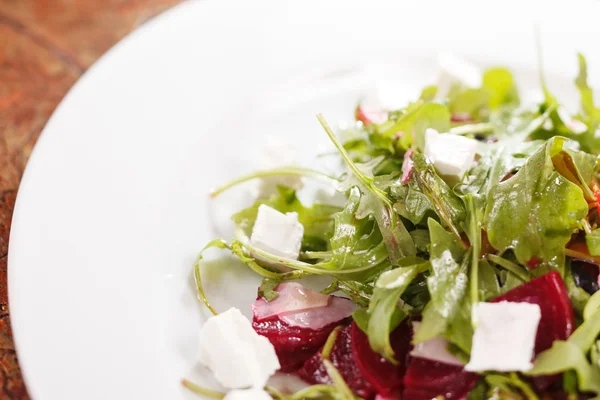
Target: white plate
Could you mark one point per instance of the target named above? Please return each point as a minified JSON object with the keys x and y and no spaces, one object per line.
{"x":113,"y":207}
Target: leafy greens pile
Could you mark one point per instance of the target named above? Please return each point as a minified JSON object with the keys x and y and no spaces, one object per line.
{"x":412,"y":243}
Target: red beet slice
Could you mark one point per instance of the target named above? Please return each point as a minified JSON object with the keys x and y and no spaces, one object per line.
{"x":557,"y":322}
{"x":343,"y":359}
{"x":293,"y":345}
{"x":427,"y":379}
{"x":369,"y":117}
{"x":385,"y":377}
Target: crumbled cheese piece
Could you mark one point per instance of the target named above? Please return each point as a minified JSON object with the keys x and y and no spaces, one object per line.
{"x":278,"y":154}
{"x":452,"y":155}
{"x":435,"y":349}
{"x":248,"y":394}
{"x":455,"y":69}
{"x":504,"y":338}
{"x":237,"y":355}
{"x":330,"y":196}
{"x":277,"y":233}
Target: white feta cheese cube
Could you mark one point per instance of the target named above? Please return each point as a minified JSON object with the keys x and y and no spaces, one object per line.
{"x":451,"y":155}
{"x":504,"y":338}
{"x":330,"y":196}
{"x":278,"y":154}
{"x":277,"y":233}
{"x":454,"y":69}
{"x":237,"y":355}
{"x":248,"y":394}
{"x":435,"y":349}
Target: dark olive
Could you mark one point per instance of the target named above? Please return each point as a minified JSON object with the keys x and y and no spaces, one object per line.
{"x":585,"y":276}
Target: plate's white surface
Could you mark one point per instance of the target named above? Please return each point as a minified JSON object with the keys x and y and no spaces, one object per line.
{"x":113,"y":207}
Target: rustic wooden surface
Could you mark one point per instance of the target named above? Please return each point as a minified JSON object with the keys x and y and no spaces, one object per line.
{"x":45,"y":46}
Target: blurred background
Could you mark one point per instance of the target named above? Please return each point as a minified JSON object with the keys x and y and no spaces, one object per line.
{"x":45,"y":46}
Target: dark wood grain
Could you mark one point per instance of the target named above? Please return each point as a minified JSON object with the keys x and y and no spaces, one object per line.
{"x":45,"y":46}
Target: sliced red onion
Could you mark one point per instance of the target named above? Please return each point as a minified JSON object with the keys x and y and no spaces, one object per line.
{"x":407,"y":167}
{"x":293,"y":297}
{"x":370,"y":116}
{"x":317,"y":318}
{"x":435,"y":349}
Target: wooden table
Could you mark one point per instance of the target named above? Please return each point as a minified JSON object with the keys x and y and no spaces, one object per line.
{"x":45,"y":46}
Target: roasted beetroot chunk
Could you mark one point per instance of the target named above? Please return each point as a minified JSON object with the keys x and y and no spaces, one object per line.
{"x":427,"y":379}
{"x":343,"y":359}
{"x":293,"y":345}
{"x":385,"y":377}
{"x":298,"y":321}
{"x":557,"y":322}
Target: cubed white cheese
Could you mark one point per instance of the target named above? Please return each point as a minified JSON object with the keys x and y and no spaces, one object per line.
{"x":330,"y":196}
{"x":237,"y":355}
{"x":454,"y":69}
{"x":278,"y":154}
{"x":451,"y":155}
{"x":277,"y":233}
{"x":385,"y":91}
{"x":248,"y":394}
{"x":504,"y":338}
{"x":435,"y":349}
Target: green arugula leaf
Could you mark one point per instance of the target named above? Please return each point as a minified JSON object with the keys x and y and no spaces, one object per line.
{"x":579,"y":297}
{"x":592,"y":306}
{"x":592,"y":240}
{"x":421,"y":239}
{"x":386,"y":315}
{"x":412,"y":204}
{"x":536,"y":211}
{"x":384,"y":310}
{"x":267,"y":289}
{"x":374,"y":201}
{"x":472,"y":225}
{"x":446,"y":204}
{"x":488,"y":286}
{"x":506,"y":383}
{"x":578,"y":167}
{"x":448,"y":281}
{"x":473,"y":102}
{"x":564,"y":356}
{"x":448,"y":313}
{"x":409,"y":128}
{"x":401,"y":276}
{"x":356,"y":241}
{"x":501,"y":85}
{"x":587,"y":333}
{"x":361,"y":317}
{"x":589,"y":113}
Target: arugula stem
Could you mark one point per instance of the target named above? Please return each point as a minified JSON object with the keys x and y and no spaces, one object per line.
{"x":338,"y":380}
{"x":315,"y":255}
{"x":328,"y":346}
{"x":482,"y":127}
{"x":275,"y":394}
{"x":219,"y":243}
{"x":510,"y":266}
{"x":582,"y":256}
{"x":309,"y":392}
{"x":524,"y":387}
{"x":285,"y":171}
{"x":474,"y":235}
{"x":586,"y":226}
{"x":316,"y":269}
{"x":202,"y":391}
{"x":358,"y":173}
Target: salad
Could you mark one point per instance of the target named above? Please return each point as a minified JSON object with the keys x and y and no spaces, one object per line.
{"x":463,"y":257}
